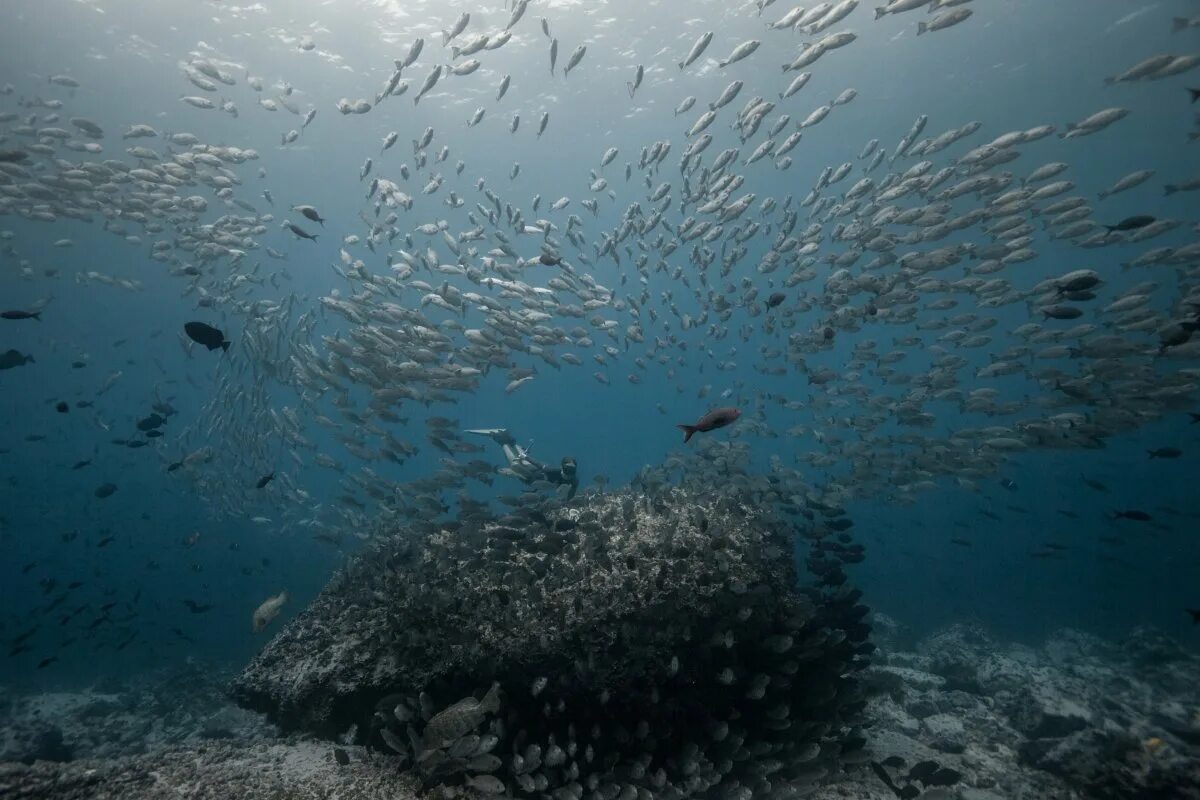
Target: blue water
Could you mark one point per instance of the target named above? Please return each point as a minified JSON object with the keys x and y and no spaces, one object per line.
{"x":1012,"y":66}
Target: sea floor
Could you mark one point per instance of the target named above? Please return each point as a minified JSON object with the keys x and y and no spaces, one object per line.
{"x":1074,"y":717}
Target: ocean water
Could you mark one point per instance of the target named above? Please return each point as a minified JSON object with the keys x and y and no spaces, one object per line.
{"x":943,"y":546}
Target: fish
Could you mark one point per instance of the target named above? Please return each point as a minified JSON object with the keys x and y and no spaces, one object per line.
{"x":264,"y":480}
{"x":1131,"y":223}
{"x":13,"y":358}
{"x":697,"y":49}
{"x":197,"y":608}
{"x":310,"y":213}
{"x":1165,"y":452}
{"x":105,"y":490}
{"x":459,"y":719}
{"x":717,"y":418}
{"x":207,"y":335}
{"x":21,"y":315}
{"x":267,"y":611}
{"x":300,"y":232}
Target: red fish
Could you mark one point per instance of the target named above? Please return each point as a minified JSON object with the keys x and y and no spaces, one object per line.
{"x":717,"y":418}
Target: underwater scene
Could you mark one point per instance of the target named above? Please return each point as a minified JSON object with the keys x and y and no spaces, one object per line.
{"x":609,"y":400}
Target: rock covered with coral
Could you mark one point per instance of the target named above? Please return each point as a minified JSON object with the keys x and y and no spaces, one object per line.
{"x":620,"y":647}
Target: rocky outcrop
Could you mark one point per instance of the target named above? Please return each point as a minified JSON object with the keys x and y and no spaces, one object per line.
{"x":649,"y":642}
{"x":1074,"y":717}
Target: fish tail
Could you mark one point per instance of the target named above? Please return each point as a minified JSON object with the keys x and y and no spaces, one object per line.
{"x":225,"y":346}
{"x":1170,"y":188}
{"x":1195,"y":93}
{"x":36,"y":315}
{"x":880,"y":11}
{"x":688,"y":430}
{"x":445,"y":38}
{"x":921,"y":28}
{"x":314,"y":236}
{"x":491,"y":700}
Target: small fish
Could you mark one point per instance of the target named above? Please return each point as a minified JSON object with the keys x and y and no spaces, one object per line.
{"x":1165,"y":452}
{"x":300,"y":232}
{"x":1131,"y":223}
{"x":196,"y":608}
{"x":82,"y":464}
{"x":105,"y":490}
{"x":206,"y":335}
{"x":1131,"y":514}
{"x":12,"y":358}
{"x":264,"y":480}
{"x":21,"y":315}
{"x":268,"y":611}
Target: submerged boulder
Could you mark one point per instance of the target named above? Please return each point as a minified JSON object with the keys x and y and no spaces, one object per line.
{"x":641,"y":642}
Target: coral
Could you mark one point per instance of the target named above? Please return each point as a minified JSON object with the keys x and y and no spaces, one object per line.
{"x":641,"y":643}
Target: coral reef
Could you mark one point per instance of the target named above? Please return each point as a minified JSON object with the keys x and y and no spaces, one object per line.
{"x":638,"y":644}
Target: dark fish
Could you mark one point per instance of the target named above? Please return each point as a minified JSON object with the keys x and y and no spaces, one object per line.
{"x":21,"y":315}
{"x":12,"y":358}
{"x":775,"y":299}
{"x":341,"y":756}
{"x":264,"y":480}
{"x":548,"y":260}
{"x":206,"y":335}
{"x":1097,"y":485}
{"x":153,"y":434}
{"x":1165,"y":452}
{"x":135,"y":443}
{"x":1195,"y":615}
{"x":300,"y":232}
{"x":45,"y":662}
{"x":82,"y":464}
{"x":1195,"y":93}
{"x":717,"y":418}
{"x":78,"y":364}
{"x":1009,"y":484}
{"x":174,"y":466}
{"x":62,"y":407}
{"x":1131,"y":223}
{"x":1195,"y":417}
{"x":12,"y":156}
{"x":105,"y":541}
{"x":75,"y":584}
{"x":1133,"y":514}
{"x":105,"y":490}
{"x":311,"y":213}
{"x":150,"y":423}
{"x":196,"y":608}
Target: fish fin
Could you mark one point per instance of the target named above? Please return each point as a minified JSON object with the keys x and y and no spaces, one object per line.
{"x":1170,"y":188}
{"x":225,"y":347}
{"x":880,"y":11}
{"x":1195,"y":93}
{"x":36,"y":315}
{"x":921,"y":28}
{"x":688,"y":430}
{"x":491,"y":700}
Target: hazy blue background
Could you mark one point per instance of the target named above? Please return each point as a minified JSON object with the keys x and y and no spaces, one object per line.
{"x":1012,"y":66}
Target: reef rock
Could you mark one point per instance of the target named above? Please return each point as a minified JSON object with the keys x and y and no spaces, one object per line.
{"x":637,"y":642}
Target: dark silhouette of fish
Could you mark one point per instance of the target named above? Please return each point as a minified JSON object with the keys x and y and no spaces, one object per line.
{"x":300,"y":232}
{"x":1131,"y":223}
{"x":717,"y":418}
{"x":264,"y":480}
{"x":206,"y":335}
{"x":1133,"y":514}
{"x":14,"y":156}
{"x":21,"y":315}
{"x":1195,"y":612}
{"x":105,"y":490}
{"x":12,"y":358}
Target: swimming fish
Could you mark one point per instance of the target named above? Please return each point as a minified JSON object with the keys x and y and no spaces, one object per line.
{"x":268,"y":611}
{"x":717,"y":418}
